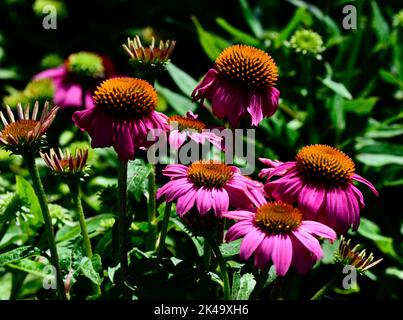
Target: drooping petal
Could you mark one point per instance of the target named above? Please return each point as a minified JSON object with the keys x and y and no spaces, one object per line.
{"x":358,"y":178}
{"x":239,"y":215}
{"x":175,"y":170}
{"x":282,"y":253}
{"x":302,"y":259}
{"x":204,"y":200}
{"x":186,"y":202}
{"x":220,"y":200}
{"x":308,"y":241}
{"x":264,"y":252}
{"x":311,"y":198}
{"x":255,"y":107}
{"x":177,"y":138}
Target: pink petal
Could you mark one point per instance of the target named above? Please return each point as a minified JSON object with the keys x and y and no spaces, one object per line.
{"x":186,"y":202}
{"x":175,"y":170}
{"x":204,"y":200}
{"x":255,"y":108}
{"x":250,"y":242}
{"x":238,"y":230}
{"x":52,"y":73}
{"x":176,"y":139}
{"x":302,"y":259}
{"x":358,"y":178}
{"x":282,"y":253}
{"x":220,"y":200}
{"x":264,"y":252}
{"x":308,"y":241}
{"x":311,"y":198}
{"x":318,"y":229}
{"x":239,"y":215}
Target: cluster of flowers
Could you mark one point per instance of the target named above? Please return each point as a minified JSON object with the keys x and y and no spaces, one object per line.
{"x":280,"y":221}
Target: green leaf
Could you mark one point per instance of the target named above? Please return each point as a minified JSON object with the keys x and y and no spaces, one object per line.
{"x":183,"y":80}
{"x":93,"y":223}
{"x":360,"y":106}
{"x":26,"y":193}
{"x":379,"y":160}
{"x":18,"y":254}
{"x":211,"y":43}
{"x":337,"y":114}
{"x":337,"y":88}
{"x":88,"y":268}
{"x":299,"y":16}
{"x":394,"y":272}
{"x":389,"y":77}
{"x":379,"y":24}
{"x":239,"y":36}
{"x":196,"y":241}
{"x":137,"y":177}
{"x":35,"y":268}
{"x":370,"y":230}
{"x":242,"y":286}
{"x":253,"y":23}
{"x":331,"y":25}
{"x":178,"y":102}
{"x":230,"y":248}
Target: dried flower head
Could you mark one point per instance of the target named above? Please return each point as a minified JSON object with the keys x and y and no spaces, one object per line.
{"x":65,"y":163}
{"x":25,"y":133}
{"x":152,"y":56}
{"x":353,"y":257}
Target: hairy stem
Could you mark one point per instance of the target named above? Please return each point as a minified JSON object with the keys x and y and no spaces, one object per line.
{"x":29,"y":159}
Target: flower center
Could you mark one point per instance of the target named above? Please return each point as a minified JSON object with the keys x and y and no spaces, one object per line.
{"x":325,"y":163}
{"x":185,"y":123}
{"x":247,"y":65}
{"x":209,"y":174}
{"x":278,"y":218}
{"x":18,"y":131}
{"x":126,"y":97}
{"x":307,"y":41}
{"x":86,"y":65}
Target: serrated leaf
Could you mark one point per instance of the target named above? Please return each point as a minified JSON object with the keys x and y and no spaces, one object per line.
{"x":242,"y":286}
{"x":137,"y":174}
{"x":87,"y":268}
{"x":230,"y":248}
{"x":26,"y":193}
{"x":35,"y":268}
{"x":18,"y":254}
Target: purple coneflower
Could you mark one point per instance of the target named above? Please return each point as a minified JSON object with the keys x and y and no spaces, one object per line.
{"x":190,"y":127}
{"x":208,"y":185}
{"x":240,"y":83}
{"x":320,"y":180}
{"x":275,"y":231}
{"x":80,"y":74}
{"x":123,"y":115}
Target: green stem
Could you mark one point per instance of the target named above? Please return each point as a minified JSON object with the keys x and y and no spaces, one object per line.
{"x":276,"y":290}
{"x":223,"y":266}
{"x":206,"y":255}
{"x":76,"y":194}
{"x":327,"y":287}
{"x":122,"y":217}
{"x":260,"y":282}
{"x":164,"y":230}
{"x":152,"y":208}
{"x":29,"y":159}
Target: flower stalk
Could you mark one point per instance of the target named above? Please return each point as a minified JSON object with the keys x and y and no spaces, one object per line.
{"x":29,"y":159}
{"x":164,"y":230}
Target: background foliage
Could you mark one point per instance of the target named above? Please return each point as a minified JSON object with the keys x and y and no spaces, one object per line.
{"x":351,"y":98}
